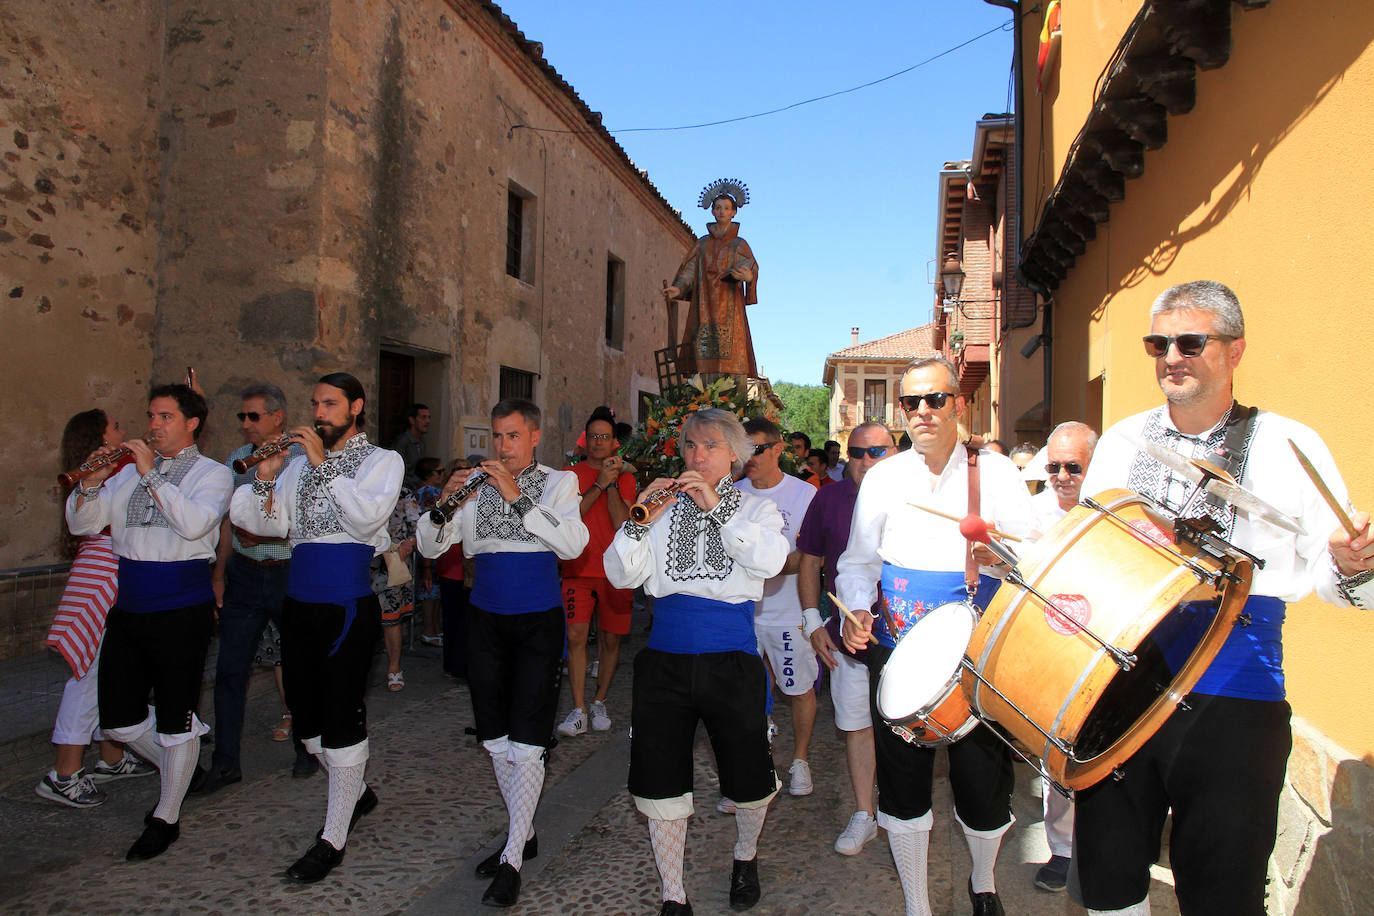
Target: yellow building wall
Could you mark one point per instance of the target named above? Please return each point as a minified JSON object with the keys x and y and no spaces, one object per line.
{"x":1263,"y":186}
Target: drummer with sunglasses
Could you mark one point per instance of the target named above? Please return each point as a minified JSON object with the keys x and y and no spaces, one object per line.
{"x":922,"y":562}
{"x":1218,"y":762}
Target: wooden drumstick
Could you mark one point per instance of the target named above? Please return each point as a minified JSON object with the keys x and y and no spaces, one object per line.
{"x":1002,"y":535}
{"x":1325,"y":491}
{"x":852,"y":619}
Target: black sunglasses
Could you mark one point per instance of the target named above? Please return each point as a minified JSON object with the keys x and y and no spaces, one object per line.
{"x":762,"y":447}
{"x":873,"y":451}
{"x":936,"y":400}
{"x":251,"y":416}
{"x":1189,"y":345}
{"x":1073,"y":467}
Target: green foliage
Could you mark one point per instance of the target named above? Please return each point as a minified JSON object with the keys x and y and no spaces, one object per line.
{"x":805,"y":408}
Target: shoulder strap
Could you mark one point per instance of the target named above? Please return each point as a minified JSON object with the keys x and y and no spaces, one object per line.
{"x":974,"y":508}
{"x":1240,"y":429}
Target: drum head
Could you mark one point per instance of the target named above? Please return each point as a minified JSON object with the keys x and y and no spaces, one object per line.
{"x":925,"y":660}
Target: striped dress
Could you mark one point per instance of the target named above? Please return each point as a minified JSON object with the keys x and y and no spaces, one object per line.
{"x":79,"y":624}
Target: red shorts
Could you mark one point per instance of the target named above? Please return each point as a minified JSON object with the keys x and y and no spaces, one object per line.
{"x":613,"y":605}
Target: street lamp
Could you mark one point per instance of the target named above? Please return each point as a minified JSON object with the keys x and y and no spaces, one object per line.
{"x":952,"y":278}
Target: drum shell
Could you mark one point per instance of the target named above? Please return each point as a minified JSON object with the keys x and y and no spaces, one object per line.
{"x":944,"y":717}
{"x":1128,"y":584}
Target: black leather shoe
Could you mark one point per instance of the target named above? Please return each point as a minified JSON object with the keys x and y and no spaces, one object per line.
{"x":504,"y":889}
{"x":988,"y":904}
{"x":315,"y":864}
{"x":487,"y":867}
{"x":212,"y":781}
{"x":305,"y":765}
{"x":156,"y":837}
{"x":673,"y":908}
{"x":744,"y":885}
{"x":361,"y":809}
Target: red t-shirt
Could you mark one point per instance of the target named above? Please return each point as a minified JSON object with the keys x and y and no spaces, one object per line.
{"x":598,"y":521}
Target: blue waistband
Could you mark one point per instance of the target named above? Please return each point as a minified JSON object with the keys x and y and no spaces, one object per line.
{"x":510,"y":582}
{"x":331,"y":574}
{"x":146,"y":586}
{"x":1250,"y":663}
{"x":688,"y":625}
{"x":910,"y":593}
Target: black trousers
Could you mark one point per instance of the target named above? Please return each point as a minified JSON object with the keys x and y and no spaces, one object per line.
{"x":514,"y":661}
{"x":325,"y":686}
{"x":980,"y":768}
{"x":1219,"y":764}
{"x":162,"y":652}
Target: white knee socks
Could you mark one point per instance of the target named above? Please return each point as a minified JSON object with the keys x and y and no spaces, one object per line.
{"x":177,"y":767}
{"x":520,"y":784}
{"x":909,"y":851}
{"x":748,"y":824}
{"x":345,"y":787}
{"x":1140,"y":909}
{"x":669,"y":839}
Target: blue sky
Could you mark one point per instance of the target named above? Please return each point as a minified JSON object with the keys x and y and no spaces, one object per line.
{"x":842,"y":218}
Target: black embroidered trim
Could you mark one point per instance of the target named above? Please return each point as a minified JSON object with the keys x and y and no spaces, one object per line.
{"x":142,"y":510}
{"x":695,"y":549}
{"x":634,"y":530}
{"x":316,"y":514}
{"x":497,"y":519}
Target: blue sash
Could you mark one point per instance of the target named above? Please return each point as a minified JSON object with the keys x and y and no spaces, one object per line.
{"x":688,"y":625}
{"x":510,"y":582}
{"x":910,"y":593}
{"x":1250,"y":663}
{"x":331,"y":574}
{"x":146,"y":586}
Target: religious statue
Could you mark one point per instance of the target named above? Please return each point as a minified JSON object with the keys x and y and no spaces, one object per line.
{"x":720,"y":277}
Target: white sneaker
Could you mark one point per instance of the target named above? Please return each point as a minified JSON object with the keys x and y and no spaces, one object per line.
{"x":862,"y":828}
{"x":799,"y":782}
{"x":76,"y":791}
{"x":575,"y":724}
{"x":129,"y":766}
{"x":601,"y":720}
{"x":725,"y":806}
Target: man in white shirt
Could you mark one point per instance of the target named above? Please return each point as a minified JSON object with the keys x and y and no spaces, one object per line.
{"x":1069,"y":450}
{"x":777,"y":617}
{"x":163,"y":512}
{"x":516,"y":526}
{"x":923,"y":562}
{"x":333,"y":504}
{"x":704,"y":554}
{"x":1218,"y":762}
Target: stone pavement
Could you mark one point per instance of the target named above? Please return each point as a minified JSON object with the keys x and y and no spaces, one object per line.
{"x":440,"y":813}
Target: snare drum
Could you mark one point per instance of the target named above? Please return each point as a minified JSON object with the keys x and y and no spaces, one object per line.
{"x":918,"y":690}
{"x":1119,"y":576}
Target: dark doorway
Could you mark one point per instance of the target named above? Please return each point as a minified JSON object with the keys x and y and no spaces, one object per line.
{"x":395,"y":392}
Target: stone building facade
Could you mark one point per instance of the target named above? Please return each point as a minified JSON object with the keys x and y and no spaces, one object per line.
{"x":406,"y":191}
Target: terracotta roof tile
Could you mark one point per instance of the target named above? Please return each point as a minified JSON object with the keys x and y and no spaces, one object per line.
{"x":910,"y":344}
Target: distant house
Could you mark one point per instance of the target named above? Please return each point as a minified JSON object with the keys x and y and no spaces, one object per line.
{"x":863,"y":378}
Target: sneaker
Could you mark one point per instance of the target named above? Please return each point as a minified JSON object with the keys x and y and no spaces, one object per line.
{"x":1053,"y":875}
{"x":130,"y":766}
{"x":799,"y":782}
{"x":575,"y":724}
{"x":601,"y":720}
{"x":725,"y":806}
{"x":431,"y":640}
{"x":76,"y":791}
{"x":862,"y":828}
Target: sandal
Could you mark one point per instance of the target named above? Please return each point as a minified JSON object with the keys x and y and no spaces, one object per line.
{"x":283,"y":729}
{"x":396,"y":682}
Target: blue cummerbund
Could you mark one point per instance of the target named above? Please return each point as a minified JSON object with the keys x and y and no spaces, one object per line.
{"x":910,"y":593}
{"x":330,"y":573}
{"x":1250,"y":663}
{"x":146,"y":586}
{"x":688,"y":625}
{"x":511,"y":582}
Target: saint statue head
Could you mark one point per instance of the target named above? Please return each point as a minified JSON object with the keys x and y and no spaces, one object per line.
{"x":723,"y":198}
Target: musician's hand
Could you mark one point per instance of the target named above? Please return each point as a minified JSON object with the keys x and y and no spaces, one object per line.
{"x":143,"y":455}
{"x":455,"y":482}
{"x":824,"y":646}
{"x":1353,"y":555}
{"x":661,"y":483}
{"x":502,"y":479}
{"x":856,"y":637}
{"x":985,"y":557}
{"x":193,"y":381}
{"x":99,"y":475}
{"x":269,"y":468}
{"x":307,"y":438}
{"x":702,"y":491}
{"x":670,"y":293}
{"x":610,"y":472}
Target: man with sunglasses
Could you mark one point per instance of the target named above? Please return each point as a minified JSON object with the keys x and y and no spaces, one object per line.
{"x":823,"y":537}
{"x":904,"y":561}
{"x":1218,"y":762}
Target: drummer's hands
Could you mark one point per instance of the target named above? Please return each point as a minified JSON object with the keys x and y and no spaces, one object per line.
{"x":984,"y":556}
{"x":1353,"y":555}
{"x":856,"y":634}
{"x":824,"y":646}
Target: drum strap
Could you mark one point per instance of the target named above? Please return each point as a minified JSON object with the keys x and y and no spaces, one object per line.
{"x":974,"y":508}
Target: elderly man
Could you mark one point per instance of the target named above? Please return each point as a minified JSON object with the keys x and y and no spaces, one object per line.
{"x":1218,"y":762}
{"x":823,"y":537}
{"x":704,"y":552}
{"x":922,"y":562}
{"x":1069,"y":450}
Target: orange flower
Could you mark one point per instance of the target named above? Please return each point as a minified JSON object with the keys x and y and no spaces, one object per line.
{"x":670,"y":448}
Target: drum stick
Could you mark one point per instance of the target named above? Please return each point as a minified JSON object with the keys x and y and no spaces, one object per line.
{"x":954,"y":518}
{"x":850,"y":616}
{"x":1325,"y":491}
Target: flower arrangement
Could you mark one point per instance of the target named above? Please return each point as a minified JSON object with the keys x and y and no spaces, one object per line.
{"x":653,"y":448}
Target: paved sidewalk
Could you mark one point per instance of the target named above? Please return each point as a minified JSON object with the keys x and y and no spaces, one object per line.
{"x":440,"y":813}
